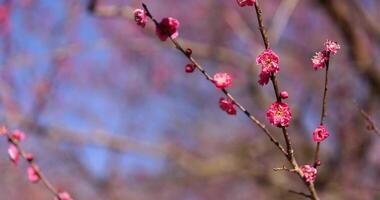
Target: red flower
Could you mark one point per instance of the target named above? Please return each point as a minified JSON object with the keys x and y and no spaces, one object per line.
{"x":279,"y":114}
{"x":320,"y":133}
{"x":228,"y":106}
{"x":167,"y":28}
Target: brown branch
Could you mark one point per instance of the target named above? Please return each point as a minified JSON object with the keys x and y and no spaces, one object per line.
{"x":290,"y":152}
{"x":209,"y":78}
{"x":301,"y":194}
{"x":371,"y":124}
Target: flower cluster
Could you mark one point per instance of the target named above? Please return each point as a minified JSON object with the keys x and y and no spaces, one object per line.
{"x":309,"y":173}
{"x":320,"y":58}
{"x":243,"y":3}
{"x":320,"y":133}
{"x":279,"y":114}
{"x":222,"y":80}
{"x":140,"y":17}
{"x":269,"y":65}
{"x":227,"y":105}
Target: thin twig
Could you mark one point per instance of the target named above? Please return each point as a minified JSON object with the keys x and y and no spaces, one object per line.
{"x":301,"y":194}
{"x":33,"y":165}
{"x":283,"y":168}
{"x":209,"y":78}
{"x":371,"y":124}
{"x":324,"y":105}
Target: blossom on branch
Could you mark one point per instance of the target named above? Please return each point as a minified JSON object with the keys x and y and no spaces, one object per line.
{"x":63,"y":196}
{"x":140,"y":17}
{"x":332,"y":47}
{"x":309,"y":173}
{"x":222,"y":80}
{"x":227,"y":105}
{"x":18,"y":135}
{"x":167,"y":28}
{"x":279,"y":114}
{"x":320,"y":133}
{"x":243,"y":3}
{"x":319,"y":60}
{"x":269,"y":65}
{"x":14,"y":153}
{"x":33,"y":175}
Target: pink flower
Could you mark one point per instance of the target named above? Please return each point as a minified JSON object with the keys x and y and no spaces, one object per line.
{"x":222,"y":80}
{"x":243,"y":3}
{"x":319,"y":60}
{"x":284,"y":95}
{"x":14,"y":153}
{"x":279,"y":114}
{"x":269,"y":61}
{"x":63,"y":196}
{"x":264,"y":78}
{"x":227,"y":105}
{"x":309,"y":173}
{"x":140,"y":17}
{"x":33,"y":175}
{"x":320,"y":133}
{"x":332,"y":47}
{"x":167,"y":28}
{"x":18,"y":135}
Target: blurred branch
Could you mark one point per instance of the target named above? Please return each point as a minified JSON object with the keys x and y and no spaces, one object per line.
{"x":371,"y":124}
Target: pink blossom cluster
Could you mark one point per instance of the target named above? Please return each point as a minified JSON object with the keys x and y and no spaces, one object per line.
{"x":320,"y":133}
{"x":309,"y":173}
{"x":269,"y":65}
{"x":320,"y":58}
{"x":279,"y":114}
{"x":168,"y":27}
{"x":227,"y":105}
{"x":243,"y":3}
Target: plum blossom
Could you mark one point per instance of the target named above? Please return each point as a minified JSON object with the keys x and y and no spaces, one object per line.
{"x":319,"y":60}
{"x":279,"y":114}
{"x":18,"y":135}
{"x":332,"y":47}
{"x":140,"y":17}
{"x":320,"y":133}
{"x":284,"y":95}
{"x":14,"y":153}
{"x":222,"y":80}
{"x":309,"y":173}
{"x":33,"y":175}
{"x":243,"y":3}
{"x":167,"y":28}
{"x":227,"y":105}
{"x":269,"y":65}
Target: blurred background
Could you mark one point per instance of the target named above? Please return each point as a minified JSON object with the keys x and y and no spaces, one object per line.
{"x":110,"y":113}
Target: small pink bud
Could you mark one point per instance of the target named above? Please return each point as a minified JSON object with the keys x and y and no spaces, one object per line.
{"x":320,"y":134}
{"x":29,"y":157}
{"x":18,"y":135}
{"x":140,"y":17}
{"x":14,"y":153}
{"x":188,"y":52}
{"x":63,"y":196}
{"x":309,"y":173}
{"x":189,"y":68}
{"x":317,"y":163}
{"x":33,"y":175}
{"x":222,"y":80}
{"x":284,"y":95}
